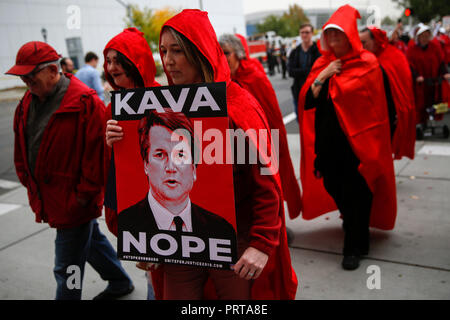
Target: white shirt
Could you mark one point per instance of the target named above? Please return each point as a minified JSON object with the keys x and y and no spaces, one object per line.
{"x":164,"y":218}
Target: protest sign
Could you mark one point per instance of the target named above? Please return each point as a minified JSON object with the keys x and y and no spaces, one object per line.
{"x":172,"y":162}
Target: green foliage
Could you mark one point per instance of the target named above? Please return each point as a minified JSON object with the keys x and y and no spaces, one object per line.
{"x":150,"y":22}
{"x":294,"y":18}
{"x":426,"y":10}
{"x":287,"y":25}
{"x":159,"y":69}
{"x":273,"y":23}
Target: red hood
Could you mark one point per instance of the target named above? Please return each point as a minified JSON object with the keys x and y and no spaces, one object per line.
{"x":188,"y":23}
{"x":244,"y":44}
{"x":248,"y":63}
{"x":380,"y":37}
{"x":342,"y":18}
{"x":131,"y":43}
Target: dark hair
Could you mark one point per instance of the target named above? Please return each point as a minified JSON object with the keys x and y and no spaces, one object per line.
{"x":130,"y":70}
{"x":304,"y":25}
{"x":63,"y":61}
{"x":169,"y":119}
{"x":90,"y":56}
{"x":369,"y":31}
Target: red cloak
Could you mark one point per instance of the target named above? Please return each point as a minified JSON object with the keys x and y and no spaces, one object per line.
{"x":256,"y":62}
{"x":249,"y":76}
{"x":443,"y":41}
{"x":396,"y":66}
{"x":426,"y":63}
{"x":132,"y":44}
{"x":278,"y":279}
{"x":359,"y":99}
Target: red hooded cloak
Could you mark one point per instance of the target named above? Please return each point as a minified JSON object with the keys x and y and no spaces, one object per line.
{"x":132,"y":44}
{"x":396,"y":66}
{"x":250,"y":77}
{"x":278,"y":279}
{"x":359,"y":99}
{"x":256,"y":62}
{"x":426,"y":63}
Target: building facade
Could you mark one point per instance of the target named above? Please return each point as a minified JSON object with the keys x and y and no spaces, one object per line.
{"x":74,"y":27}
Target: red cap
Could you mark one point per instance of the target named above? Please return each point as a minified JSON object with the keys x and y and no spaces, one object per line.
{"x":30,"y":55}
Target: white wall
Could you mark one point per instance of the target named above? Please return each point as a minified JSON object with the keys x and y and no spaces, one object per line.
{"x":21,"y":21}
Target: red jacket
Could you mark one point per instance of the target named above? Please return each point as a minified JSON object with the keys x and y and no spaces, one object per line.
{"x":359,"y":99}
{"x":396,"y":66}
{"x":69,"y":164}
{"x":267,"y":231}
{"x":249,"y":76}
{"x":131,"y":43}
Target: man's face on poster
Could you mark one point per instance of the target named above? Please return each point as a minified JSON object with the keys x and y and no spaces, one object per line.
{"x":169,"y":166}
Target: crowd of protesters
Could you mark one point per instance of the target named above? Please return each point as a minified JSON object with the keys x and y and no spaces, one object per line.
{"x":358,"y":96}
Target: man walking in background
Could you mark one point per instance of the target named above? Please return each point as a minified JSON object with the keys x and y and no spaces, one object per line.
{"x":66,"y":65}
{"x":90,"y":76}
{"x":301,"y":60}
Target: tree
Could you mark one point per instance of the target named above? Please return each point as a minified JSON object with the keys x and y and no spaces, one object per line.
{"x":294,"y":18}
{"x":273,"y":23}
{"x":150,"y":22}
{"x":387,"y":21}
{"x":426,"y":10}
{"x":287,"y":25}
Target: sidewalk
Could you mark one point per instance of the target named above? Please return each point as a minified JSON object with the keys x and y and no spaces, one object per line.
{"x":413,"y":259}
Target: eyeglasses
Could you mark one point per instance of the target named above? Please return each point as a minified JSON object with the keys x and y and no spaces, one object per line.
{"x":227,"y":53}
{"x":36,"y":70}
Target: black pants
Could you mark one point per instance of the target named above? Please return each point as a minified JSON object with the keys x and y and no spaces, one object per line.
{"x":354,"y":200}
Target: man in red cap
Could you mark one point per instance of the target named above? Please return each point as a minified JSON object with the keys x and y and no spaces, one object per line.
{"x":398,"y":85}
{"x":59,"y":129}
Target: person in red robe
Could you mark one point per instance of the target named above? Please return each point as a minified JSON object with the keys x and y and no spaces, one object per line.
{"x":247,"y":73}
{"x":426,"y":60}
{"x":256,"y":62}
{"x":344,"y":122}
{"x":191,"y":53}
{"x":399,"y":82}
{"x":128,"y":64}
{"x":444,"y":42}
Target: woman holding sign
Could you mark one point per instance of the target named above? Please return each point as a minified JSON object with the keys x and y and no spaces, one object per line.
{"x":128,"y":64}
{"x":191,"y":54}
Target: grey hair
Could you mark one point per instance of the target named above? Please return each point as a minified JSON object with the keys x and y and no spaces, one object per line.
{"x":235,"y":44}
{"x":46,"y":64}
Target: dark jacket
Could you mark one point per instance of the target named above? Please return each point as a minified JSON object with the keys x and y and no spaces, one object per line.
{"x":139,"y":218}
{"x":296,"y":70}
{"x":69,"y":162}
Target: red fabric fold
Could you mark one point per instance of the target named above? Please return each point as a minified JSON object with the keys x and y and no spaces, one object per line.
{"x":396,"y":66}
{"x":254,"y":81}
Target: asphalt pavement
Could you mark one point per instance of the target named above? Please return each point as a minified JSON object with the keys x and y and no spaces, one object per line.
{"x":410,"y":262}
